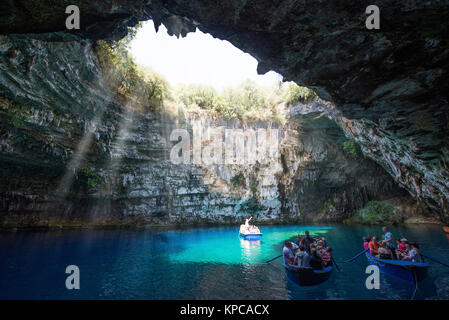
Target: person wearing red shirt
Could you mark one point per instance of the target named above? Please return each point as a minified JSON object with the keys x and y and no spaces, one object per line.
{"x":373,"y":246}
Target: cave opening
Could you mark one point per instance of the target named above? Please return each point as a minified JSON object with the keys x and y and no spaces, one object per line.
{"x":151,"y":70}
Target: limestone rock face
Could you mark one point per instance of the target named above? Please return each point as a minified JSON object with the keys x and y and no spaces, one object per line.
{"x":387,"y":88}
{"x":71,"y":155}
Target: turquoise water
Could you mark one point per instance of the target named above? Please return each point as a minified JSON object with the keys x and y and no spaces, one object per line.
{"x":226,"y":247}
{"x":206,"y":263}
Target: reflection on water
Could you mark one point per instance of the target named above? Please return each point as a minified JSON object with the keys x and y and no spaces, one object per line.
{"x":224,"y":245}
{"x":250,"y":250}
{"x":208,"y":263}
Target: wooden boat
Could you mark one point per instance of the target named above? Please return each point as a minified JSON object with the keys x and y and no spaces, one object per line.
{"x":307,"y":276}
{"x":446,"y":229}
{"x":249,"y":232}
{"x":401,"y":269}
{"x":251,"y":236}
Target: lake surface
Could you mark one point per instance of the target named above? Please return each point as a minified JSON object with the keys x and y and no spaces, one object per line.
{"x":206,"y":263}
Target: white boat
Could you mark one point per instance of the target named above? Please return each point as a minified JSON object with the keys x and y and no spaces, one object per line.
{"x":250,"y":232}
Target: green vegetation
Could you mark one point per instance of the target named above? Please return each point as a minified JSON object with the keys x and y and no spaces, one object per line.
{"x":246,"y":101}
{"x":14,"y":112}
{"x":251,"y":206}
{"x":237,"y":181}
{"x":377,"y":212}
{"x":91,"y":178}
{"x":294,"y":93}
{"x":135,"y":86}
{"x":243,"y":102}
{"x":253,"y":186}
{"x":140,"y":88}
{"x":16,"y":121}
{"x":350,"y":147}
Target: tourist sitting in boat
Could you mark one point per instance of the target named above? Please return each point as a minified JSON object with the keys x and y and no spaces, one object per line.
{"x":295,"y":248}
{"x":287,"y":252}
{"x":319,"y":249}
{"x":299,"y":242}
{"x":326,"y":255}
{"x":384,"y":252}
{"x":373,"y":246}
{"x":315,"y":260}
{"x":320,"y":243}
{"x":302,"y":259}
{"x":414,"y":254}
{"x":253,"y":229}
{"x":324,"y":242}
{"x":366,"y":243}
{"x":249,"y":229}
{"x":402,"y":248}
{"x":312,"y":245}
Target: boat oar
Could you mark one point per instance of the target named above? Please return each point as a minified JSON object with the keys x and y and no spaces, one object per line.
{"x":335,"y":263}
{"x":356,"y":256}
{"x":274,"y":258}
{"x":435,"y":260}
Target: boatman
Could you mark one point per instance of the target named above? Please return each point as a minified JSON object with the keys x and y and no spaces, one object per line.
{"x":388,"y":239}
{"x":307,"y":240}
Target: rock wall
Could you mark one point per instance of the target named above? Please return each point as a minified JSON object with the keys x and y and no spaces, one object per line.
{"x":391,"y":85}
{"x":71,"y":155}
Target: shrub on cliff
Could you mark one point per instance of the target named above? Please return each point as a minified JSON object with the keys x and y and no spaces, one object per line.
{"x":140,"y":88}
{"x":91,"y":179}
{"x":244,"y":101}
{"x":252,"y":207}
{"x":238,"y":181}
{"x":377,"y":212}
{"x":135,"y":86}
{"x":202,"y":96}
{"x":351,"y":147}
{"x":294,"y":93}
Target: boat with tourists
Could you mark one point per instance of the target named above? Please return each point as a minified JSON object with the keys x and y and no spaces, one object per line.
{"x":401,"y":269}
{"x":404,"y":261}
{"x":250,"y":232}
{"x":303,"y":276}
{"x":308,"y":261}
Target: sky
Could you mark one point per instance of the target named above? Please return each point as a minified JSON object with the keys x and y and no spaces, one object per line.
{"x":198,"y":58}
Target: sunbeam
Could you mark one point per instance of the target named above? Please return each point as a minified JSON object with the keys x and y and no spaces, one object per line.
{"x":117,"y":151}
{"x":77,"y":159}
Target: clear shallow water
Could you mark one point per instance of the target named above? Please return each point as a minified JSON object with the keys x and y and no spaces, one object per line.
{"x":207,"y":263}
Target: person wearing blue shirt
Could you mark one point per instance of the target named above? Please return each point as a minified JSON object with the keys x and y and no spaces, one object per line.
{"x":388,"y":239}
